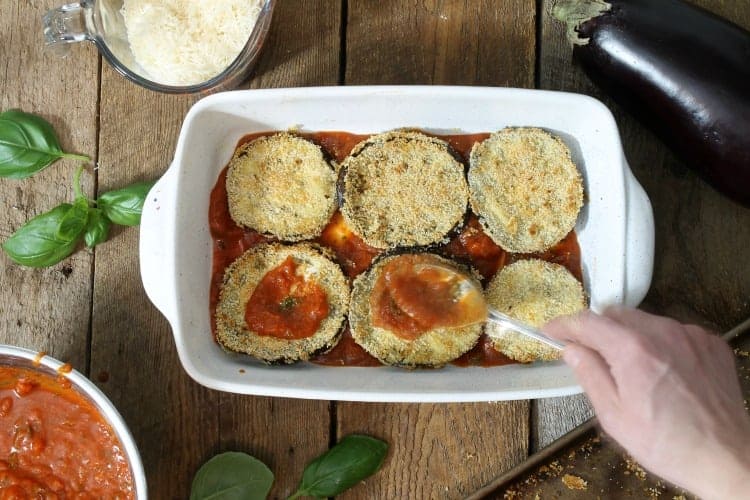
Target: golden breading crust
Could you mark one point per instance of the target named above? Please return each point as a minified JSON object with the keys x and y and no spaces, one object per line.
{"x":431,"y":349}
{"x":403,"y":188}
{"x":281,"y":185}
{"x":240,"y":280}
{"x":525,"y":188}
{"x":535,"y":292}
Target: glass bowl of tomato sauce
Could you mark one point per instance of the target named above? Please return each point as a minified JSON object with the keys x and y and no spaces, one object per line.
{"x":60,"y":437}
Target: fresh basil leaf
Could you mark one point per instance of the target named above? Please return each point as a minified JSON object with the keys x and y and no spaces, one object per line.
{"x":37,"y":243}
{"x":355,"y":458}
{"x":28,"y":144}
{"x":97,"y":229}
{"x":74,"y":221}
{"x":124,"y":206}
{"x":232,"y":476}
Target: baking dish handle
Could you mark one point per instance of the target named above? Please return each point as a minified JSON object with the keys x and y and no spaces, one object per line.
{"x":639,"y":240}
{"x":156,"y":247}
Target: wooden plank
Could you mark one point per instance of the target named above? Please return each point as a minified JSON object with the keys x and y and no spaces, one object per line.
{"x":449,"y":42}
{"x":439,"y":450}
{"x":46,"y":309}
{"x":553,"y":417}
{"x":178,"y":424}
{"x":699,"y":275}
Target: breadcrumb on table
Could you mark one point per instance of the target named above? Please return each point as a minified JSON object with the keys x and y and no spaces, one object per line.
{"x":574,"y":482}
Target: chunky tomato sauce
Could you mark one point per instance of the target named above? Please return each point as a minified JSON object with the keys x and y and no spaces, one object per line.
{"x":471,"y":245}
{"x":55,"y":444}
{"x":286,"y":305}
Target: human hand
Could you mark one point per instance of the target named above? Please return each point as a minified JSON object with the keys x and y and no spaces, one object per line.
{"x":667,"y":392}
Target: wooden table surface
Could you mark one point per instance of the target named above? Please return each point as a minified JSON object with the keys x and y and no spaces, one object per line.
{"x":91,"y":311}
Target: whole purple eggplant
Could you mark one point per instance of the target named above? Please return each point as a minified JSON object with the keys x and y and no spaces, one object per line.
{"x":680,"y":69}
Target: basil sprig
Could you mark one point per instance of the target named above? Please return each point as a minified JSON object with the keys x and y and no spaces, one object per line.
{"x":353,"y":459}
{"x":52,"y":236}
{"x":235,"y":476}
{"x":232,"y":476}
{"x":28,"y":144}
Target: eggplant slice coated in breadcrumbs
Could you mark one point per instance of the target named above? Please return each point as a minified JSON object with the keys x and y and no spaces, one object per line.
{"x":281,"y":185}
{"x":432,"y":348}
{"x":525,"y":189}
{"x":533,"y":291}
{"x":403,"y":188}
{"x":246,"y":274}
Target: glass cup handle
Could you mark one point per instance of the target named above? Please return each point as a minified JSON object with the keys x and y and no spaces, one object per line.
{"x":65,"y":25}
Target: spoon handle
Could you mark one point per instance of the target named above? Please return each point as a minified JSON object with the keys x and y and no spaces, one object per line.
{"x":517,"y":326}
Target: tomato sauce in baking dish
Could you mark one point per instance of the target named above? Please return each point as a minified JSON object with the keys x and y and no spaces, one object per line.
{"x":471,"y":244}
{"x":54,"y":443}
{"x":285,"y":305}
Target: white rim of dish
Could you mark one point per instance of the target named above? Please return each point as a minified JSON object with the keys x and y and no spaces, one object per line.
{"x":100,"y":401}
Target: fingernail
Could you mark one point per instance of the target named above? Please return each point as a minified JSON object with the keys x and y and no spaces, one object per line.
{"x":572,"y":356}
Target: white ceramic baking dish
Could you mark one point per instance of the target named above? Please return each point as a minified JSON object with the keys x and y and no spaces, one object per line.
{"x":615,"y":229}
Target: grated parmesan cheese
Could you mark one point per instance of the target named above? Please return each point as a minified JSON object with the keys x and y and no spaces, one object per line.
{"x":186,"y":42}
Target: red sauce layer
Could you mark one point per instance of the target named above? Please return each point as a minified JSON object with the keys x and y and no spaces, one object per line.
{"x":352,"y":253}
{"x":55,"y":444}
{"x":472,"y":245}
{"x":285,"y":304}
{"x":346,"y":353}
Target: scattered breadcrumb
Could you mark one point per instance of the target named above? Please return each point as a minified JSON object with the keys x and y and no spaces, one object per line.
{"x":574,"y":482}
{"x":556,"y":467}
{"x":636,"y":469}
{"x":653,"y":492}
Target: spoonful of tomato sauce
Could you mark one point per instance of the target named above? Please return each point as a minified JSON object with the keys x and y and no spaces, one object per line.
{"x":436,"y":295}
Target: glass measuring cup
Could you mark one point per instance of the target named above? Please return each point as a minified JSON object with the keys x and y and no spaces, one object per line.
{"x":102,"y":22}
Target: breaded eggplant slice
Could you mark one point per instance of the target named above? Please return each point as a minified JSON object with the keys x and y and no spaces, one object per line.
{"x":433,"y":348}
{"x":533,"y":291}
{"x":243,"y":276}
{"x":525,"y":189}
{"x":281,"y":185}
{"x":403,"y":188}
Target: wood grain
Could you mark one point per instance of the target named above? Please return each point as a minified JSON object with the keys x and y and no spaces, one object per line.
{"x":700,"y":275}
{"x":439,"y":450}
{"x":45,"y":309}
{"x":178,"y":424}
{"x":441,"y":42}
{"x":554,"y":417}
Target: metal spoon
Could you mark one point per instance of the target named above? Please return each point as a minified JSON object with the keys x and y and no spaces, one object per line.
{"x":477,"y":309}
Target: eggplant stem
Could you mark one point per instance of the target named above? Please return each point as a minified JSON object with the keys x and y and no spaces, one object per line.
{"x":576,"y":12}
